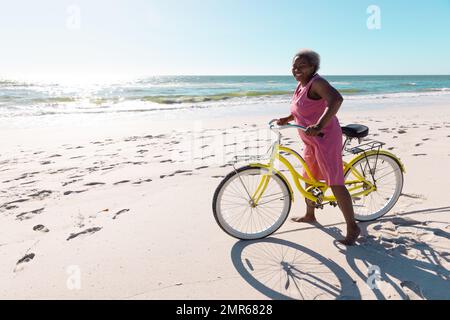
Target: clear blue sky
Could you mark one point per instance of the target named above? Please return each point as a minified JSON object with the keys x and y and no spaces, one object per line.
{"x":151,"y":37}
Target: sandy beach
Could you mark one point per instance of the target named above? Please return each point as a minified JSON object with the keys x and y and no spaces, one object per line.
{"x":123,"y":125}
{"x":122,"y":210}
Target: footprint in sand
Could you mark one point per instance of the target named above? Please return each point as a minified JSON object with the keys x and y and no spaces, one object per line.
{"x":403,"y":222}
{"x":401,"y":131}
{"x":179,"y":172}
{"x":121,"y":182}
{"x":412,"y":290}
{"x":142,"y":181}
{"x":202,"y":167}
{"x":419,"y":144}
{"x":20,"y":264}
{"x":24,"y":176}
{"x":63,"y":170}
{"x":71,"y":192}
{"x":120,"y":212}
{"x":75,"y":177}
{"x":29,"y":215}
{"x":41,"y":194}
{"x":216,"y":177}
{"x":40,"y":228}
{"x":8,"y":204}
{"x":419,"y":154}
{"x":28,"y":182}
{"x":85,"y":232}
{"x":108,"y":168}
{"x":94,"y":184}
{"x":70,"y":182}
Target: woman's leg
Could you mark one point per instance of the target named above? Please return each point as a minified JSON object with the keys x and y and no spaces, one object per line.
{"x":310,"y":159}
{"x":310,"y":211}
{"x":344,"y":201}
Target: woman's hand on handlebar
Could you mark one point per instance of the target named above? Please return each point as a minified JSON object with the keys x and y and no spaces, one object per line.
{"x":284,"y":121}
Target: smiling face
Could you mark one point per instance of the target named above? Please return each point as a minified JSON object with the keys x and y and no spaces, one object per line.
{"x":302,"y":70}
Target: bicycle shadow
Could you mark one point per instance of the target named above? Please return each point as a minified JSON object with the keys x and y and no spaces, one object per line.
{"x":284,"y":270}
{"x":413,"y":253}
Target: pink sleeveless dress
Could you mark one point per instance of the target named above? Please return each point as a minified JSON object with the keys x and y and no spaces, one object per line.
{"x":322,"y":155}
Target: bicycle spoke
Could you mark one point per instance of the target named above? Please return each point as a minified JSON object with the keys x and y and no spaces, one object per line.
{"x":269,"y":201}
{"x":380,"y":178}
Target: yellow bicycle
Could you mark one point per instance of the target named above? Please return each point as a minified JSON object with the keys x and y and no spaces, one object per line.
{"x":252,"y":202}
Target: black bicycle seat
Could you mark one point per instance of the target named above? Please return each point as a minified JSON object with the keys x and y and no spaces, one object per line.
{"x":355,"y":131}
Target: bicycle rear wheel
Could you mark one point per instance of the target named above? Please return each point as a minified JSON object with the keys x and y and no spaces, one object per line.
{"x":233,"y":208}
{"x":388,"y":179}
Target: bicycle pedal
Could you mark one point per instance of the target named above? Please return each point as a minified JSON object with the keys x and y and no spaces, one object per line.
{"x":317,"y":192}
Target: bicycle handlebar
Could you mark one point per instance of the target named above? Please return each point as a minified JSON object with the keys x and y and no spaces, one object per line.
{"x":290,"y":126}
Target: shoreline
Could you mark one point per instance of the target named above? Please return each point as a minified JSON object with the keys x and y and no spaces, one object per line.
{"x":73,"y":128}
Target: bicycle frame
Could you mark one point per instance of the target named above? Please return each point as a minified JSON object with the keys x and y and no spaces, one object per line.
{"x":363,"y":187}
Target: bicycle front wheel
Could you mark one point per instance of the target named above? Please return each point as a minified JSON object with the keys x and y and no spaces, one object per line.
{"x":235,"y":211}
{"x":386,"y":174}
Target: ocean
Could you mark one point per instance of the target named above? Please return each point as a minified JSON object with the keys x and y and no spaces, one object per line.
{"x":166,"y":94}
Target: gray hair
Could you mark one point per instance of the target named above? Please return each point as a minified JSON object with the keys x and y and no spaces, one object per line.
{"x":310,"y":55}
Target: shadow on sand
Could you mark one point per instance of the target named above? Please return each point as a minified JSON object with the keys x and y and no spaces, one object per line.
{"x":284,"y":270}
{"x":412,"y":258}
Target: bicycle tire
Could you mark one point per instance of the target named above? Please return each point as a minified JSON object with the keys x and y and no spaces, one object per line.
{"x":218,"y":210}
{"x":391,"y":201}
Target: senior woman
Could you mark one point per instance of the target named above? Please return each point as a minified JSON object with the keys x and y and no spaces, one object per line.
{"x":314,"y":106}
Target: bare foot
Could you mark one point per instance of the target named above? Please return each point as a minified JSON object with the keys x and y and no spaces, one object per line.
{"x":352,"y":236}
{"x":305,"y":219}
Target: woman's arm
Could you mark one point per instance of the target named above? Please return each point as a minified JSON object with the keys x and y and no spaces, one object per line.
{"x":283,"y":121}
{"x":324,"y":90}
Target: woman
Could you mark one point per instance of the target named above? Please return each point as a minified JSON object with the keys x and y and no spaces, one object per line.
{"x":314,"y":106}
